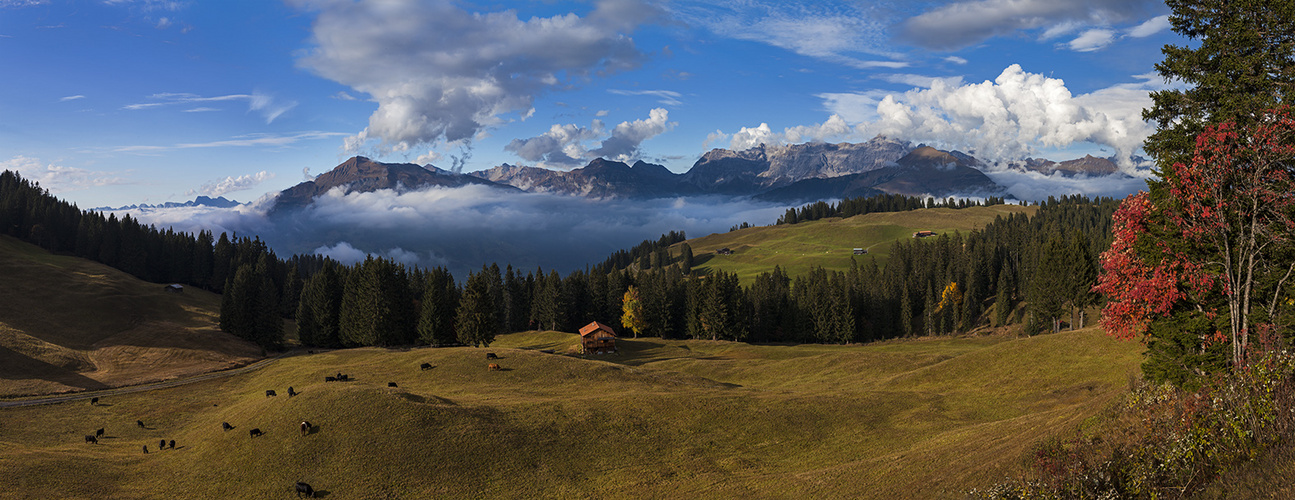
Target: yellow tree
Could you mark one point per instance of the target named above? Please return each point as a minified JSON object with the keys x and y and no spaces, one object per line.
{"x":633,"y":311}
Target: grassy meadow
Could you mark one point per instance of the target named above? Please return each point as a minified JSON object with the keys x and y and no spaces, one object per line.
{"x":830,"y":242}
{"x":662,"y":419}
{"x":69,"y":324}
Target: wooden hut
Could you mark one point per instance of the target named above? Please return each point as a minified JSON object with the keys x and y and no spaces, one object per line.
{"x":597,"y":338}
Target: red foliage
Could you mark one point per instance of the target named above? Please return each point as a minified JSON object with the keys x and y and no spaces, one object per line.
{"x":1135,"y":291}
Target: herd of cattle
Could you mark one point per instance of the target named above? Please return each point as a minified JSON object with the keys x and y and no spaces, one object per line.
{"x":303,"y":489}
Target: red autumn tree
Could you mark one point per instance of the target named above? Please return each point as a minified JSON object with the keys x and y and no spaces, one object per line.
{"x":1230,"y":216}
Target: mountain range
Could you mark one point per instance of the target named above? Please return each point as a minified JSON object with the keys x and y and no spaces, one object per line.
{"x":790,"y":173}
{"x":200,"y":201}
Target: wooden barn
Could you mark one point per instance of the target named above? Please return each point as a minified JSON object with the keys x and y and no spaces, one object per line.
{"x":597,"y":338}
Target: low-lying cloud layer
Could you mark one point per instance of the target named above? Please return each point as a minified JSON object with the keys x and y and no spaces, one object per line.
{"x":463,"y":228}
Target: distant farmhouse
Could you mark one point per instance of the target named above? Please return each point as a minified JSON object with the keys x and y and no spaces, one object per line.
{"x":860,"y":251}
{"x":724,"y":251}
{"x":174,"y":288}
{"x":597,"y":338}
{"x":923,"y":234}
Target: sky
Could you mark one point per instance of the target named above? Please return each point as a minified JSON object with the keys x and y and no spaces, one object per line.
{"x":118,"y":102}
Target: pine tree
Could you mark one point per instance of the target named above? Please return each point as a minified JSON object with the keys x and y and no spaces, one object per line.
{"x":475,"y":318}
{"x":1003,"y":301}
{"x":685,"y":258}
{"x":440,"y":301}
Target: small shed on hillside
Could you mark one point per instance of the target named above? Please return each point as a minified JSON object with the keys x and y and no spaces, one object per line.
{"x":724,"y":251}
{"x":597,"y":338}
{"x":860,"y":251}
{"x":174,"y":288}
{"x":923,"y":234}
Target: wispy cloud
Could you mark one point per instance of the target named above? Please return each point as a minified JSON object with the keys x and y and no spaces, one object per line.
{"x":1150,"y":27}
{"x":71,"y":98}
{"x":60,"y":179}
{"x":240,"y":141}
{"x":230,"y":184}
{"x":266,"y":105}
{"x":667,"y":97}
{"x":961,"y":24}
{"x":1093,"y":39}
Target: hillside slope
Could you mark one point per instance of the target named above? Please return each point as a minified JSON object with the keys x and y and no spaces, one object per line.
{"x":830,"y":243}
{"x":69,"y":324}
{"x":664,"y":419}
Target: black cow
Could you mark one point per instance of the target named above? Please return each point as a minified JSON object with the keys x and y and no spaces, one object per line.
{"x":491,"y":355}
{"x":391,"y":384}
{"x":255,"y":432}
{"x":172,"y":443}
{"x":91,"y":439}
{"x":425,"y":366}
{"x":145,"y":449}
{"x":270,"y":392}
{"x":99,"y":432}
{"x":140,"y":423}
{"x":343,"y":377}
{"x":291,"y":392}
{"x":161,"y":444}
{"x":94,"y":401}
{"x":226,"y":426}
{"x":304,"y":489}
{"x":330,"y":379}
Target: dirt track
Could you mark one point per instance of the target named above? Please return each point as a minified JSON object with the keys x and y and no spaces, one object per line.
{"x":79,"y":396}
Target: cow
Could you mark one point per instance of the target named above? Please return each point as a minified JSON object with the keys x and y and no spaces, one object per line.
{"x":172,"y":443}
{"x":140,"y":423}
{"x":161,"y":444}
{"x":226,"y":426}
{"x":344,"y":377}
{"x":305,"y":427}
{"x":304,"y":489}
{"x":425,"y":366}
{"x":145,"y":449}
{"x":255,"y":432}
{"x":270,"y":392}
{"x":330,"y":379}
{"x":94,"y":401}
{"x":98,"y":432}
{"x":291,"y":392}
{"x":391,"y":384}
{"x":91,"y":439}
{"x":491,"y":355}
{"x":493,"y":367}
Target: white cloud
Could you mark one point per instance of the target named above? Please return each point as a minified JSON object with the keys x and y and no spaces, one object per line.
{"x":920,"y":80}
{"x":60,"y":179}
{"x":440,"y":73}
{"x":965,"y":23}
{"x":163,"y":23}
{"x":71,"y":98}
{"x":201,"y":110}
{"x":834,"y":127}
{"x":1150,"y":27}
{"x":21,"y":3}
{"x":714,"y":137}
{"x":240,"y":141}
{"x":266,"y":105}
{"x":231,"y":184}
{"x":955,"y":60}
{"x":1036,"y":186}
{"x":1009,"y":117}
{"x":563,"y":146}
{"x":341,"y":95}
{"x":666,"y":97}
{"x":834,"y":33}
{"x":1091,"y":40}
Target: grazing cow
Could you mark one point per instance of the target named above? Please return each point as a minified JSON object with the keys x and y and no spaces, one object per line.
{"x":161,"y":444}
{"x":145,"y":449}
{"x":94,"y":401}
{"x":304,"y":489}
{"x":226,"y":426}
{"x":91,"y":439}
{"x":425,"y":366}
{"x":493,"y":367}
{"x":343,"y":378}
{"x":172,"y":443}
{"x":391,"y":384}
{"x":305,"y":427}
{"x":330,"y":379}
{"x":140,"y":423}
{"x":310,"y":352}
{"x":491,"y":355}
{"x":255,"y":432}
{"x":270,"y":392}
{"x":291,"y":392}
{"x":99,"y":432}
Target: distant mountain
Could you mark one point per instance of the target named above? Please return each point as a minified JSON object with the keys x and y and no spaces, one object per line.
{"x":1089,"y":166}
{"x":360,"y":174}
{"x":923,"y":171}
{"x":766,"y":167}
{"x":201,"y":201}
{"x":599,"y":179}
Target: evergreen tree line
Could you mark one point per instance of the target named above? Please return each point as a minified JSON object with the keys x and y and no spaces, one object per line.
{"x":851,"y":207}
{"x":642,"y":255}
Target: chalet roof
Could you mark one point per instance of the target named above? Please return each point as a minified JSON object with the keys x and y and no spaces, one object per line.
{"x":595,"y":326}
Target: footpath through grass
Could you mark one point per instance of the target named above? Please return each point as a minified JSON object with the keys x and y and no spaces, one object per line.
{"x":664,"y":419}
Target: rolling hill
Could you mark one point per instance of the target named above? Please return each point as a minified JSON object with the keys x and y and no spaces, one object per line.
{"x":829,"y":243}
{"x":69,"y":324}
{"x":928,"y":418}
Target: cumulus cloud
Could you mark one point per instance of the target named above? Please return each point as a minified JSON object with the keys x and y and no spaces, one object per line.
{"x":834,"y":127}
{"x":59,"y":179}
{"x":231,"y":184}
{"x":965,"y":23}
{"x":853,"y":35}
{"x":1150,"y":27}
{"x":463,"y":228}
{"x":564,"y":146}
{"x":440,"y":73}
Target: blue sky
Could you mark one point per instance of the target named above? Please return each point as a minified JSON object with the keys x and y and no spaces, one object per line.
{"x":114,"y":102}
